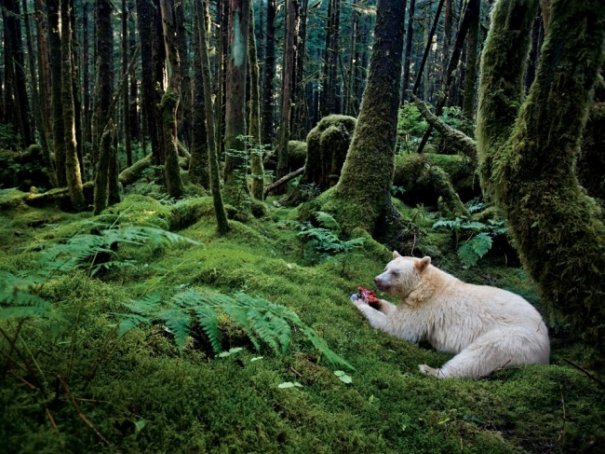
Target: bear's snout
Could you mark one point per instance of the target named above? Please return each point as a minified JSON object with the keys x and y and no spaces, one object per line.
{"x":380,"y":284}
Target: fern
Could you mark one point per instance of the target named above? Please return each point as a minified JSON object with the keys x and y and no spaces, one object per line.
{"x":475,"y":248}
{"x":17,"y":299}
{"x":327,"y":221}
{"x":263,"y":322}
{"x":85,"y":249}
{"x":480,"y":235}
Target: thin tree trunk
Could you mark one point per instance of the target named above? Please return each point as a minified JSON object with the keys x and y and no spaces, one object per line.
{"x":287,"y":79}
{"x":16,"y":67}
{"x":472,"y":64}
{"x":329,"y":88}
{"x":170,"y":101}
{"x":72,"y":164}
{"x":215,"y":182}
{"x":300,"y":106}
{"x":256,"y":153}
{"x":185,"y":106}
{"x":236,"y":188}
{"x":126,"y":92}
{"x":472,"y":9}
{"x":268,"y":76}
{"x":352,"y":59}
{"x":58,"y":127}
{"x":198,"y":165}
{"x":427,"y":48}
{"x":86,"y":104}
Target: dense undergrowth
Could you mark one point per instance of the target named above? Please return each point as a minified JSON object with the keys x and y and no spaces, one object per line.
{"x":71,"y":380}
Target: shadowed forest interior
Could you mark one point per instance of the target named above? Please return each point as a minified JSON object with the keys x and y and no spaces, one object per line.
{"x":191,"y":190}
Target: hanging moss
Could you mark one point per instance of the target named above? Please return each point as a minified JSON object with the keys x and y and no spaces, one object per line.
{"x":555,"y":225}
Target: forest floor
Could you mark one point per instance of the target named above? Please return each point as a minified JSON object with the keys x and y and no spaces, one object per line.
{"x":72,"y":382}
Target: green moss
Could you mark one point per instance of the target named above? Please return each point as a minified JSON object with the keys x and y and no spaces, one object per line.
{"x":142,"y":395}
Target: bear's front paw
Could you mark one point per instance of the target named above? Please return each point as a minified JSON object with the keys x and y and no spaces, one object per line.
{"x":427,"y":370}
{"x":355,"y":299}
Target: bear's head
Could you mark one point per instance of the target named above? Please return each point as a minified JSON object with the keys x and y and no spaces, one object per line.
{"x":402,"y":275}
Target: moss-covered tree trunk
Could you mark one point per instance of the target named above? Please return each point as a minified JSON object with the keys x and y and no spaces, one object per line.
{"x":256,"y":156}
{"x":528,"y":154}
{"x":215,"y":180}
{"x":236,"y":188}
{"x":72,"y":164}
{"x":364,"y":186}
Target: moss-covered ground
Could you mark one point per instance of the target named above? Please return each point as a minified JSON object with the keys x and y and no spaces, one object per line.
{"x":71,"y":384}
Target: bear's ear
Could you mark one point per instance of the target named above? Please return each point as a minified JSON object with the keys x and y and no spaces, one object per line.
{"x":423,"y":263}
{"x":396,"y":255}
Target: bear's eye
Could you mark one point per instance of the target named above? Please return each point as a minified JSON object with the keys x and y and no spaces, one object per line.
{"x":395,"y":273}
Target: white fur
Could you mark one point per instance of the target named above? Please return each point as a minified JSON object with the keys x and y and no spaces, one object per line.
{"x":488,"y":327}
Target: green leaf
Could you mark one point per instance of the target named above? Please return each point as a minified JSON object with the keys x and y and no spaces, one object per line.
{"x":231,"y":351}
{"x":289,"y":384}
{"x":343,"y":377}
{"x":326,"y":220}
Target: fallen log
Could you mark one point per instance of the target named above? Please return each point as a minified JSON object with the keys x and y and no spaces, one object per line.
{"x":283,"y":180}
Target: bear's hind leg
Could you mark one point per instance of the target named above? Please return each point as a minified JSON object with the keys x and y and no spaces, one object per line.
{"x":479,"y":359}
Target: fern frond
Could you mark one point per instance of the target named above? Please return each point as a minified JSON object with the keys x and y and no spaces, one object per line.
{"x":326,"y":220}
{"x":208,"y":320}
{"x":146,"y":305}
{"x":178,"y":322}
{"x":130,"y":321}
{"x":17,"y":299}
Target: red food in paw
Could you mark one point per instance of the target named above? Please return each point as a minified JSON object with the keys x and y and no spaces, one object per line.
{"x":369,"y":297}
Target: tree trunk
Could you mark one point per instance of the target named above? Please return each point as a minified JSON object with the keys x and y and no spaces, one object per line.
{"x":256,"y":153}
{"x":329,"y":83}
{"x":268,"y":76}
{"x":86,"y":104}
{"x":58,"y":127}
{"x":288,"y":69}
{"x":125,"y":93}
{"x":362,"y":195}
{"x":215,"y":182}
{"x":101,"y":191}
{"x":184,"y":111}
{"x":104,"y":70}
{"x":152,"y":55}
{"x":472,"y":64}
{"x":198,"y":165}
{"x":236,"y":188}
{"x":348,"y":108}
{"x":299,"y":107}
{"x":427,"y":48}
{"x":72,"y":164}
{"x":472,"y":9}
{"x":133,"y":108}
{"x":170,"y":101}
{"x":15,"y":66}
{"x":528,"y":154}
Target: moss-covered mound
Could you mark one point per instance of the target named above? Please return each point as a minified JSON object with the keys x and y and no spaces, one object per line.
{"x":70,"y":382}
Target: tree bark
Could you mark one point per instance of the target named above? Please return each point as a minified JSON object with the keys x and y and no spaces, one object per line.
{"x":329,"y":89}
{"x":72,"y":164}
{"x":268,"y":76}
{"x":125,"y":93}
{"x":528,"y":154}
{"x":58,"y":127}
{"x":198,"y":165}
{"x":471,"y":64}
{"x":256,"y":153}
{"x":288,"y":69}
{"x":215,"y":183}
{"x":170,"y":101}
{"x":362,"y":195}
{"x":236,"y":188}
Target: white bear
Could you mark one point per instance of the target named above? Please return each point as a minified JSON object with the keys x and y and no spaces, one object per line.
{"x":489,"y":328}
